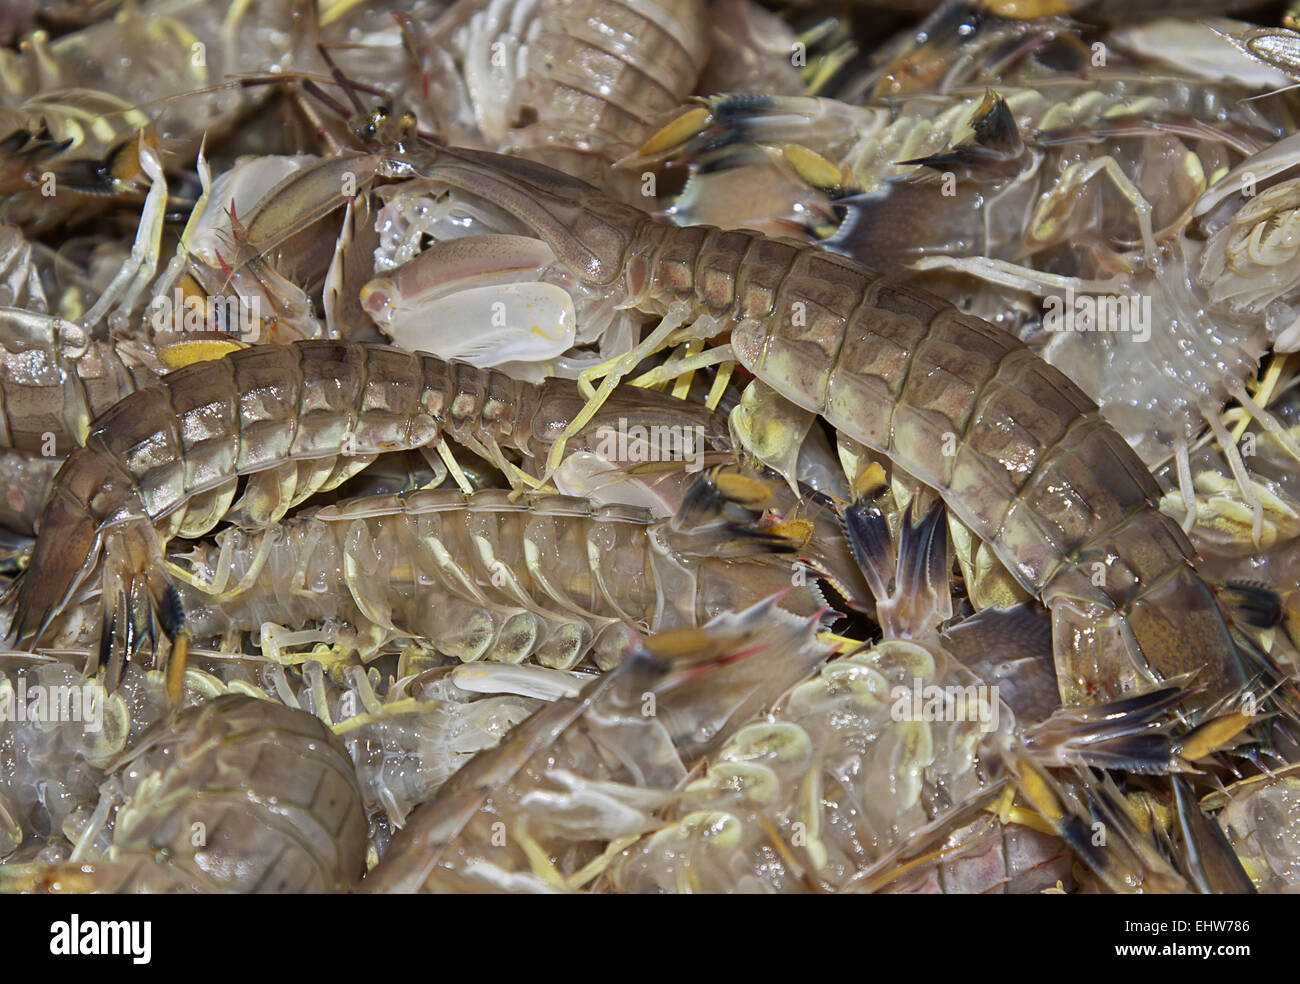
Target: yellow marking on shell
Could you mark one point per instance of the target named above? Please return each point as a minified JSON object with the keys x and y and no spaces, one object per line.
{"x":102,"y":130}
{"x":72,"y":130}
{"x":408,"y":705}
{"x":840,"y":644}
{"x":1028,"y":9}
{"x":719,"y":386}
{"x":1003,"y":805}
{"x":1257,"y":869}
{"x":177,"y":355}
{"x":1262,"y":393}
{"x":334,"y":10}
{"x":1009,"y":813}
{"x":811,"y":167}
{"x":247,"y":689}
{"x":1041,"y":796}
{"x":1194,"y":170}
{"x":870,"y":481}
{"x":176,"y":668}
{"x":715,"y":827}
{"x":768,"y":426}
{"x":538,"y":859}
{"x":681,"y":129}
{"x":989,"y":584}
{"x":1141,"y":106}
{"x":752,"y":493}
{"x":382,"y":291}
{"x":1214,"y":735}
{"x":1146,"y":808}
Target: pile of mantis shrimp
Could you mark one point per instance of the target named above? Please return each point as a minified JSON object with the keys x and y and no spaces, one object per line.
{"x":649,"y":446}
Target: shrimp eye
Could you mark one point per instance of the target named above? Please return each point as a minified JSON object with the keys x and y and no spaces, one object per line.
{"x":376,"y":122}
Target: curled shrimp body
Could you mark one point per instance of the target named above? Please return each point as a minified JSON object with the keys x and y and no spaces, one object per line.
{"x":1018,"y":451}
{"x":547,"y":578}
{"x":270,"y":790}
{"x":590,"y":77}
{"x":1027,"y":180}
{"x":299,"y":419}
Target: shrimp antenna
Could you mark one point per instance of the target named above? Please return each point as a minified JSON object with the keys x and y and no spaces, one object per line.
{"x":349,"y":87}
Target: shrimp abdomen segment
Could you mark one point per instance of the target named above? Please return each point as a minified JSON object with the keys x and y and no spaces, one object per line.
{"x":298,"y":418}
{"x":1019,"y":453}
{"x":212,"y":421}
